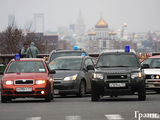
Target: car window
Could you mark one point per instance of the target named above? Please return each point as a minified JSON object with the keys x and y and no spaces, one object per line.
{"x":117,"y":60}
{"x":88,"y":62}
{"x":70,"y":64}
{"x":59,"y":54}
{"x":26,"y":67}
{"x":152,"y":62}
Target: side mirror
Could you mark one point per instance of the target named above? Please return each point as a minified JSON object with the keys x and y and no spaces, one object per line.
{"x":52,"y":72}
{"x":145,"y":66}
{"x":90,"y":67}
{"x":1,"y":73}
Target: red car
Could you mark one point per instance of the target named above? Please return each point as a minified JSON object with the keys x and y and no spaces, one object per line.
{"x":27,"y":77}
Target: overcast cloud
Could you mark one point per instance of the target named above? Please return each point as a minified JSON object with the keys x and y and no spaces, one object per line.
{"x":140,"y":15}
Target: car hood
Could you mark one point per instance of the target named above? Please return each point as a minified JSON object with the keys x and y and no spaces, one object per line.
{"x":32,"y":76}
{"x":152,"y":71}
{"x":117,"y":69}
{"x":64,"y":73}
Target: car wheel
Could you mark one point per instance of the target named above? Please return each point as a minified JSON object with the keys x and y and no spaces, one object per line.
{"x":52,"y":96}
{"x":142,"y":93}
{"x":48,"y":97}
{"x":82,"y":89}
{"x":94,"y":95}
{"x":3,"y":99}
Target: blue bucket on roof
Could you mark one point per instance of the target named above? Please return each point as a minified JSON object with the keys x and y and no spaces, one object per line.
{"x":16,"y":57}
{"x":75,"y":48}
{"x":127,"y":48}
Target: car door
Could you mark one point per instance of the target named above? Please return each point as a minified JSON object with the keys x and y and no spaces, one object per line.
{"x":88,"y":73}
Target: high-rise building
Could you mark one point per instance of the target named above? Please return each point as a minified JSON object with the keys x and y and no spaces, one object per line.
{"x":39,"y":23}
{"x":11,"y":20}
{"x":80,"y":26}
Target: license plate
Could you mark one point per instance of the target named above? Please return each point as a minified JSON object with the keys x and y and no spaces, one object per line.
{"x":24,"y":89}
{"x":117,"y":84}
{"x":56,"y":91}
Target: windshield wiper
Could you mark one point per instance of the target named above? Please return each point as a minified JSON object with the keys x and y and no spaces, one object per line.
{"x":62,"y":69}
{"x":104,"y":66}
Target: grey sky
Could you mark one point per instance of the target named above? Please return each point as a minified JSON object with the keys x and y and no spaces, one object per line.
{"x":140,"y":15}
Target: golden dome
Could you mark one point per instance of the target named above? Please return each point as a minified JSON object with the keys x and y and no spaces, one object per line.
{"x":109,"y":32}
{"x":89,"y":33}
{"x":101,"y":23}
{"x":119,"y":30}
{"x":125,"y":24}
{"x":135,"y":36}
{"x":93,"y":32}
{"x":113,"y":33}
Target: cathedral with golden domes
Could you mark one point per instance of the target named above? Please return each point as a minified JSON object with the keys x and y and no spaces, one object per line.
{"x":102,"y":38}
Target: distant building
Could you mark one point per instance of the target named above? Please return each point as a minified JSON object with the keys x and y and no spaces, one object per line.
{"x":80,"y":26}
{"x":72,"y":27}
{"x":39,"y":23}
{"x":122,"y":44}
{"x":63,"y":44}
{"x":125,"y":32}
{"x":11,"y":20}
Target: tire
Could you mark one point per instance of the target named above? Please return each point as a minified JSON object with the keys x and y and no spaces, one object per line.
{"x":94,"y":95}
{"x":142,"y":93}
{"x":48,"y":97}
{"x":82,"y":89}
{"x":3,"y":99}
{"x":52,"y":96}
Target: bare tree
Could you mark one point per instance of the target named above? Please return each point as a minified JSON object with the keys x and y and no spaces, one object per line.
{"x":11,"y":40}
{"x":37,"y":38}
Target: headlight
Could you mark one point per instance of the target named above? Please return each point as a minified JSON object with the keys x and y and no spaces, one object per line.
{"x":40,"y":82}
{"x":98,"y":75}
{"x":134,"y":75}
{"x":8,"y":82}
{"x":70,"y":78}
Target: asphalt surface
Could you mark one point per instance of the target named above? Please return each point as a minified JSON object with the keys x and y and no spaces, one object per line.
{"x":77,"y":108}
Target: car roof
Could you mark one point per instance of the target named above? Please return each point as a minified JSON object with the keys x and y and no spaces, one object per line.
{"x":118,"y":51}
{"x":29,"y":59}
{"x":68,"y":51}
{"x":155,"y":56}
{"x":74,"y":57}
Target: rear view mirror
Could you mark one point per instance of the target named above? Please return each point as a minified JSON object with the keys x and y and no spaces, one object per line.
{"x":145,"y":66}
{"x":90,"y":67}
{"x":52,"y":72}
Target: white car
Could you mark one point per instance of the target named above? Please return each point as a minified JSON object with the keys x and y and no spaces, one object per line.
{"x":152,"y":73}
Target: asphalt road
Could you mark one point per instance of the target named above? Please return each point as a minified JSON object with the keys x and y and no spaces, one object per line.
{"x":76,"y":108}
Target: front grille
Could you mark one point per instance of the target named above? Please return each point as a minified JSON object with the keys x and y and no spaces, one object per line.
{"x":151,"y":76}
{"x":116,"y":76}
{"x":24,"y":92}
{"x":24,"y":82}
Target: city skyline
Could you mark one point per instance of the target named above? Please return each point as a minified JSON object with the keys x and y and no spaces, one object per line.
{"x":140,"y":15}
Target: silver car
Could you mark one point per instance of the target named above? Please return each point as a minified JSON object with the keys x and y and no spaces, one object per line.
{"x":152,"y":73}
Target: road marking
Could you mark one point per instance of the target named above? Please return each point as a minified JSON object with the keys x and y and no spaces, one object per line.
{"x":33,"y":118}
{"x":114,"y":117}
{"x":73,"y":118}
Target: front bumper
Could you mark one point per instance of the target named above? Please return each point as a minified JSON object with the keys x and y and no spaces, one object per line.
{"x":152,"y":83}
{"x":10,"y":91}
{"x":67,"y":87}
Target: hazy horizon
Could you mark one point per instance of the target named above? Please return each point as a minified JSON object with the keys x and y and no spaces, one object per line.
{"x":140,"y":15}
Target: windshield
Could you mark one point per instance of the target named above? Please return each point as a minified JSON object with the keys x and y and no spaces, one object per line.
{"x":26,"y":67}
{"x":152,"y":62}
{"x":117,"y":61}
{"x":65,"y":64}
{"x":55,"y":55}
